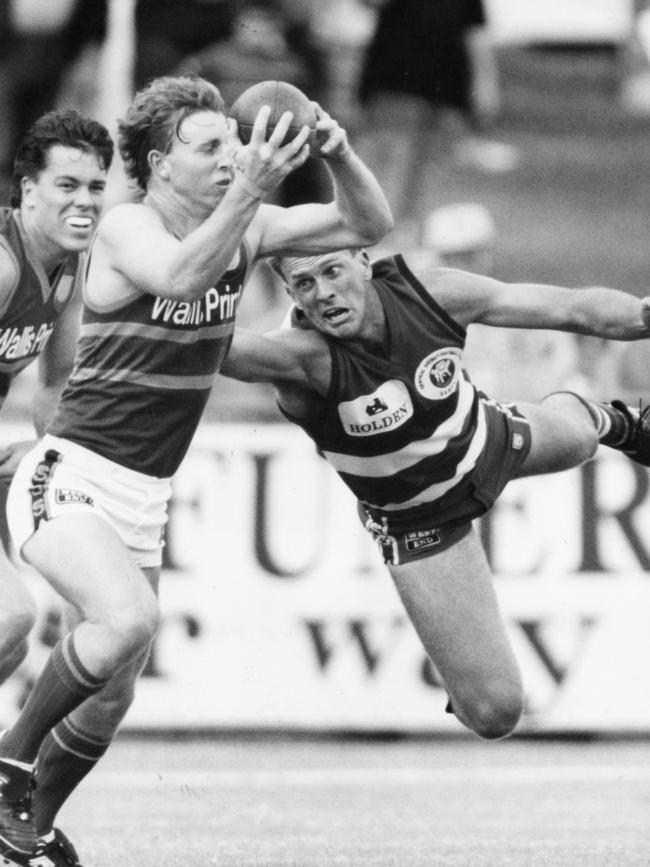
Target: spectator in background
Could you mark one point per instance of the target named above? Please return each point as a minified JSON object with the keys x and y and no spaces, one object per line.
{"x":35,"y":52}
{"x":168,"y":31}
{"x":267,"y":42}
{"x":428,"y":83}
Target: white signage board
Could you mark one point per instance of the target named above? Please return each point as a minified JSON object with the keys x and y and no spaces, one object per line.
{"x":278,"y":612}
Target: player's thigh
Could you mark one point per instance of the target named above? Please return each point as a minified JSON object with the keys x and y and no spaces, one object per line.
{"x":451,"y":601}
{"x":85,"y":561}
{"x":562,"y":435}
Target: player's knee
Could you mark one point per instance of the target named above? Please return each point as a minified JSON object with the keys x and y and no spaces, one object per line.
{"x":135,"y":628}
{"x":496,"y":714}
{"x":578,"y":424}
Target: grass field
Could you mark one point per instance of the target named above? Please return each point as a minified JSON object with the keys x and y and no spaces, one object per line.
{"x":277,"y":802}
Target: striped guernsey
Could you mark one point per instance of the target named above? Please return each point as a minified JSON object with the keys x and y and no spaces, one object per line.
{"x":143,"y":373}
{"x":34,"y":303}
{"x":402,"y":425}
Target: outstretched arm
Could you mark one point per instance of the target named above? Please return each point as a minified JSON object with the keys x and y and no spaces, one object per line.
{"x":597,"y":311}
{"x":359,"y":214}
{"x":287,"y":357}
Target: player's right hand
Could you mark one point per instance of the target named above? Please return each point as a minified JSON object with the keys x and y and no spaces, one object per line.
{"x":265,"y":164}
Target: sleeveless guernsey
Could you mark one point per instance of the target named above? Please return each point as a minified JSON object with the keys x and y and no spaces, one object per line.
{"x":143,"y":373}
{"x":402,"y":425}
{"x":36,"y":300}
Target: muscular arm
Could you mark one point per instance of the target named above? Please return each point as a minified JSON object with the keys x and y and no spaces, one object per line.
{"x":133,"y":245}
{"x":359,"y":214}
{"x":287,"y":357}
{"x":597,"y":311}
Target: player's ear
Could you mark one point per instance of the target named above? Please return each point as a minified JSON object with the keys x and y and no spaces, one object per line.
{"x":364,"y":261}
{"x":158,"y":164}
{"x":26,"y":187}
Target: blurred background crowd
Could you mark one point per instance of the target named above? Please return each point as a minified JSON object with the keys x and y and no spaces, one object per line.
{"x":522,"y":155}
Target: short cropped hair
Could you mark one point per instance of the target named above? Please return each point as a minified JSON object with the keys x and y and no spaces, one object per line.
{"x":65,"y":127}
{"x":278,"y":259}
{"x":155,"y":117}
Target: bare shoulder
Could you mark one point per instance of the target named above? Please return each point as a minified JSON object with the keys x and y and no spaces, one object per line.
{"x":462,"y":293}
{"x":125,"y":219}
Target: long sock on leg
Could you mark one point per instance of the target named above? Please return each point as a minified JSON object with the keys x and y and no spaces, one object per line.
{"x":67,"y":755}
{"x":61,"y":687}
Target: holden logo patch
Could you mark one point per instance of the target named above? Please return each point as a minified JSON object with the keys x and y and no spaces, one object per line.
{"x":385,"y":409}
{"x":438,"y":374}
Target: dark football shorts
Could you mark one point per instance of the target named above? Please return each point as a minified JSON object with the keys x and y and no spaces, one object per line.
{"x":412,"y":534}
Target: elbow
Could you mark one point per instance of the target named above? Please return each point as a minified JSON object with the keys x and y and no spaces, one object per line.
{"x":377,"y":230}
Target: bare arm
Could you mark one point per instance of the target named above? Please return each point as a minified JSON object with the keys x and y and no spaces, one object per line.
{"x":134,"y":246}
{"x":288,"y":357}
{"x":55,"y":364}
{"x":597,"y":311}
{"x":359,"y":215}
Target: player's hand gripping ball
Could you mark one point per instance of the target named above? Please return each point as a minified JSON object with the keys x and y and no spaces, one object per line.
{"x":281,"y":97}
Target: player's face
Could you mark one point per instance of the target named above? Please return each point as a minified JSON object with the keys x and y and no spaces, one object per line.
{"x":334,"y":293}
{"x":61,"y":205}
{"x":199,"y":164}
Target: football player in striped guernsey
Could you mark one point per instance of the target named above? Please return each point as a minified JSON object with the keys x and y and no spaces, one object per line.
{"x":372,"y":370}
{"x":58,"y":186}
{"x":88,"y":506}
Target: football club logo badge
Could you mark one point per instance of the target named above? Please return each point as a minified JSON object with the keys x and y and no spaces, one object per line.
{"x":438,"y":374}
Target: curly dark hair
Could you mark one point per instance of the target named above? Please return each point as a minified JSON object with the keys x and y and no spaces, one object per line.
{"x":65,"y":127}
{"x":155,"y":116}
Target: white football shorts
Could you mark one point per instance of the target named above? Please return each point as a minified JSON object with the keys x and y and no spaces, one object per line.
{"x":59,"y":477}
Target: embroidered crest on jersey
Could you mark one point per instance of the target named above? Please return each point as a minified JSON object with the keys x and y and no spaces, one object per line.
{"x":66,"y":496}
{"x":438,"y":374}
{"x":387,"y":408}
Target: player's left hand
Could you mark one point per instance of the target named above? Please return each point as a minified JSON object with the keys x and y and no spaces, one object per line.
{"x":10,"y":457}
{"x":331,"y":139}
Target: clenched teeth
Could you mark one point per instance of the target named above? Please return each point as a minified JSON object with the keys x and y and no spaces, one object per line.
{"x":79,"y":222}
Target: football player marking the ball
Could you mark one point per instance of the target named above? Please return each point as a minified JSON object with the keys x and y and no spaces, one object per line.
{"x":87,"y":507}
{"x":58,"y":183}
{"x":372,"y":371}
